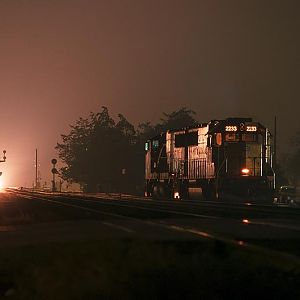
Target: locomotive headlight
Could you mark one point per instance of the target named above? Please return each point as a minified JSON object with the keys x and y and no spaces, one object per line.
{"x":176,"y":195}
{"x":245,"y":171}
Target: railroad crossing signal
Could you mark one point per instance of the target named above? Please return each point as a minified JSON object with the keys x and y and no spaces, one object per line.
{"x":54,"y":171}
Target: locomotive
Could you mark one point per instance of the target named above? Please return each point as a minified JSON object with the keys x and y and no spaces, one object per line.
{"x":221,"y":159}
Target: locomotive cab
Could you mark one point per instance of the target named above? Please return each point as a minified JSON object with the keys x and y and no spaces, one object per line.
{"x":243,"y":159}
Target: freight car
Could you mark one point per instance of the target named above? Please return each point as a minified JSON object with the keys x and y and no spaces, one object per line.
{"x":226,"y":159}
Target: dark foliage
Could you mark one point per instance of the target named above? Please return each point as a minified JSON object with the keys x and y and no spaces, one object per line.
{"x":293,"y":167}
{"x":178,"y":119}
{"x":291,"y":162}
{"x":104,"y":155}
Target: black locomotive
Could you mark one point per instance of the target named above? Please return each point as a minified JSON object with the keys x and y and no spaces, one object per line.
{"x":226,"y":159}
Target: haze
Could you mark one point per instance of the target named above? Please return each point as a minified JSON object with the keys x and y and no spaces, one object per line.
{"x":59,"y":60}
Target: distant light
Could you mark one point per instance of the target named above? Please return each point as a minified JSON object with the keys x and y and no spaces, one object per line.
{"x":241,"y":243}
{"x":246,"y":221}
{"x":245,"y":171}
{"x":176,"y":195}
{"x":146,"y":146}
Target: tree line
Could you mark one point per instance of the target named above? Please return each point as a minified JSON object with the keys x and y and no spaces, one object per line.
{"x":289,"y":164}
{"x":102,"y":154}
{"x":107,"y":155}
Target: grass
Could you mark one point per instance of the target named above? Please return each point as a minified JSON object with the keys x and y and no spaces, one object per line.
{"x":136,"y":269}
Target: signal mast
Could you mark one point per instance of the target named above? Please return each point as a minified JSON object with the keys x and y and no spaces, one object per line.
{"x":4,"y":156}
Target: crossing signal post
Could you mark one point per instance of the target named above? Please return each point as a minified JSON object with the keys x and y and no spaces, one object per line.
{"x":54,"y":171}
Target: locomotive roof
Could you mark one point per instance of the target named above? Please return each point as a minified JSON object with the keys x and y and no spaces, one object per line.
{"x":198,"y":125}
{"x":214,"y":125}
{"x":218,"y":125}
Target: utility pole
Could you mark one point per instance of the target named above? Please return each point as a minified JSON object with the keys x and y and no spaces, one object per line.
{"x":275,"y":152}
{"x":37,"y":181}
{"x":36,"y":168}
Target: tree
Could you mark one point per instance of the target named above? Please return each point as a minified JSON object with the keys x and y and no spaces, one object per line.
{"x":96,"y":150}
{"x":281,"y":176}
{"x":72,"y":151}
{"x":145,"y":131}
{"x":293,"y":167}
{"x":175,"y":120}
{"x":292,"y":163}
{"x":178,"y":119}
{"x":102,"y":154}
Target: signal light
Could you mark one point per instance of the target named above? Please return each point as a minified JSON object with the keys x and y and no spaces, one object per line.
{"x":245,"y":171}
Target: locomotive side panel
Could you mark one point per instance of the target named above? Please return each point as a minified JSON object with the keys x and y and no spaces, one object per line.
{"x":199,"y":157}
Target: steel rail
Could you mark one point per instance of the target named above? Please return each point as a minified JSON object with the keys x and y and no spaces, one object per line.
{"x":164,"y":209}
{"x":182,"y":229}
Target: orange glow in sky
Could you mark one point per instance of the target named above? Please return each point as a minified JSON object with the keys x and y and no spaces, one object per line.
{"x":1,"y":183}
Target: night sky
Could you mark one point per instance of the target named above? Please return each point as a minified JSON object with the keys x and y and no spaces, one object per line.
{"x":61,"y":59}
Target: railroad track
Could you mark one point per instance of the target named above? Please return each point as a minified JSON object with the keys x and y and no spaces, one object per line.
{"x":263,"y":210}
{"x":248,"y":226}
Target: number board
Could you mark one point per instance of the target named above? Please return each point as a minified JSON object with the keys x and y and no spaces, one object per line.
{"x":234,"y":128}
{"x":231,"y":128}
{"x":251,"y":128}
